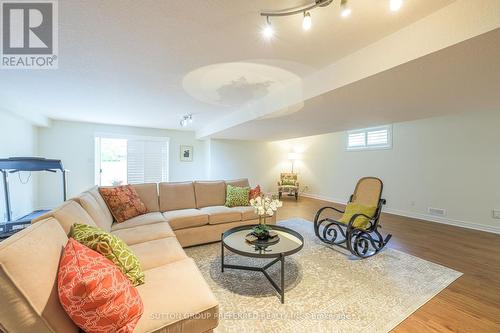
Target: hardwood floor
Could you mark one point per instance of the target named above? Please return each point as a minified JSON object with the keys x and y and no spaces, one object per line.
{"x":472,"y":302}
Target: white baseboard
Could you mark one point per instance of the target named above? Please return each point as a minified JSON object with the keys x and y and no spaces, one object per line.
{"x":419,"y":216}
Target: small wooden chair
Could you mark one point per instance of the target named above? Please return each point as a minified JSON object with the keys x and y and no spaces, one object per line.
{"x":362,"y":242}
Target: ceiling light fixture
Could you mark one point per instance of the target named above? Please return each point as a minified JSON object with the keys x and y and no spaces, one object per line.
{"x":396,"y":5}
{"x":307,"y":21}
{"x":268,"y":31}
{"x":345,"y":9}
{"x":186,"y":120}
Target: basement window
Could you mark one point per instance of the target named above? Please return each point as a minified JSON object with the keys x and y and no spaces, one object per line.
{"x":370,"y":138}
{"x":124,"y":159}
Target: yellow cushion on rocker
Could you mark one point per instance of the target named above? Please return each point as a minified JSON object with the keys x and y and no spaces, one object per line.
{"x":352,"y":209}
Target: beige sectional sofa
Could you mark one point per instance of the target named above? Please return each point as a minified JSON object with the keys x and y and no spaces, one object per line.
{"x":176,"y":297}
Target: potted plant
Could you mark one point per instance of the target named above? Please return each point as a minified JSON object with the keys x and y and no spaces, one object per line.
{"x":265,"y":206}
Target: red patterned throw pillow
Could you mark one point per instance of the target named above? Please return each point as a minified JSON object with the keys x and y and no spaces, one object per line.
{"x":123,"y":202}
{"x":95,"y":293}
{"x":254,"y":192}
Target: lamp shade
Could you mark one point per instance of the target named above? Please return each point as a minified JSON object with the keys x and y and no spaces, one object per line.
{"x":293,"y":156}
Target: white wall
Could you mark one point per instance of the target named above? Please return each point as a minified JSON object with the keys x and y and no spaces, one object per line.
{"x":450,"y":162}
{"x":232,"y":159}
{"x":73,"y":143}
{"x":17,"y":138}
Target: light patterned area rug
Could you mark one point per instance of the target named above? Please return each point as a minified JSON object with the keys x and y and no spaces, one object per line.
{"x":326,"y":290}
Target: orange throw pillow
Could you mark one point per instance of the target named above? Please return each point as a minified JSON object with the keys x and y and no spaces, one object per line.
{"x":95,"y":293}
{"x":123,"y":202}
{"x":254,"y":192}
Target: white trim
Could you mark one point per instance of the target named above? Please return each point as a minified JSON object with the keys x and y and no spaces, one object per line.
{"x":419,"y":216}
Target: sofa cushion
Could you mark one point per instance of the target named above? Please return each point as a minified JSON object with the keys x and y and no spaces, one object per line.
{"x":29,"y":261}
{"x":144,"y":233}
{"x":247,"y":212}
{"x":95,"y":293}
{"x":211,"y":193}
{"x":92,"y":207}
{"x":158,"y":252}
{"x":94,"y":191}
{"x":149,"y":195}
{"x":208,"y":233}
{"x":68,"y":214}
{"x":172,"y":297}
{"x":186,"y":218}
{"x":242,"y":182}
{"x":221,"y":214}
{"x":175,"y":196}
{"x":112,"y":248}
{"x":123,"y":202}
{"x":144,"y":219}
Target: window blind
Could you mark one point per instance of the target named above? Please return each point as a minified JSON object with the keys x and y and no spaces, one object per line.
{"x":370,"y":138}
{"x":147,"y":161}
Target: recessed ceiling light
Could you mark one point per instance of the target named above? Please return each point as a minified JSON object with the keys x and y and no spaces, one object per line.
{"x":307,"y":21}
{"x":396,"y":5}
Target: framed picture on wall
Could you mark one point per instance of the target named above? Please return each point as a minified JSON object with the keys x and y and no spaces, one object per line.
{"x":186,"y":153}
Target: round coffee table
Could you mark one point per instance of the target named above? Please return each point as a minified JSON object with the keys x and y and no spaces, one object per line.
{"x":290,"y":242}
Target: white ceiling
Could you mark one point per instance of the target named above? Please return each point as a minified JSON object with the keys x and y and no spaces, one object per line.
{"x":146,"y":63}
{"x":463,"y":77}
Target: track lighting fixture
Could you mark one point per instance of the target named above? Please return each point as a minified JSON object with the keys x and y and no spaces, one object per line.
{"x":345,"y":11}
{"x":186,"y":120}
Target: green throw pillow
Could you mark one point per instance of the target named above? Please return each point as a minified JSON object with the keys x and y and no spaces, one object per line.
{"x":352,"y":209}
{"x":237,"y":196}
{"x":112,"y":248}
{"x":288,"y":182}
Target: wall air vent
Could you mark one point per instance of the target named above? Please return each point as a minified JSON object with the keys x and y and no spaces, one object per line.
{"x":437,"y":211}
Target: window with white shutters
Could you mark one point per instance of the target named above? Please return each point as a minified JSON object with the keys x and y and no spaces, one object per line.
{"x":370,"y":138}
{"x":131,"y":159}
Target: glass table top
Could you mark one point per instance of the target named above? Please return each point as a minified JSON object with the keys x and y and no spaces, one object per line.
{"x":289,"y":242}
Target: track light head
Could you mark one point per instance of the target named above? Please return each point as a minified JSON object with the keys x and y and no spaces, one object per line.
{"x":307,"y":21}
{"x":396,"y":5}
{"x":345,"y":10}
{"x":268,"y":31}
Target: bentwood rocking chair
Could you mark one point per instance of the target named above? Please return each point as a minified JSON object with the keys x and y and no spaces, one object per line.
{"x":357,"y":233}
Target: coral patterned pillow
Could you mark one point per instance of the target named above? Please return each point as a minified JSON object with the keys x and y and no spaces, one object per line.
{"x":95,"y":293}
{"x":254,"y":192}
{"x":123,"y":202}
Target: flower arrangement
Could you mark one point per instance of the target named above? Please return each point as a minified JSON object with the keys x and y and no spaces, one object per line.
{"x":264,"y":206}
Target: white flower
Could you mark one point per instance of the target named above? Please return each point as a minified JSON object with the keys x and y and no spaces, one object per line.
{"x":265,"y":205}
